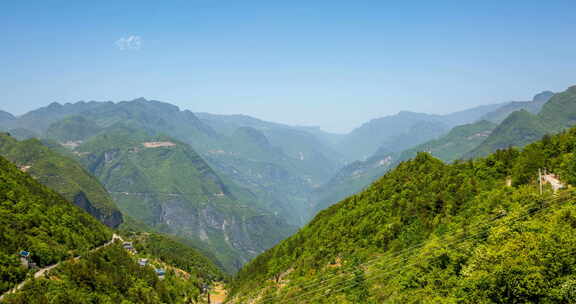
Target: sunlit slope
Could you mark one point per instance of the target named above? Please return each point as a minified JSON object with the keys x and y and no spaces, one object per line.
{"x":63,"y":174}
{"x":168,"y":186}
{"x":40,"y":221}
{"x":434,"y":232}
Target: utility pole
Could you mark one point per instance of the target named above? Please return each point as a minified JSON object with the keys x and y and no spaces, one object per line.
{"x":540,"y":179}
{"x":208,"y":287}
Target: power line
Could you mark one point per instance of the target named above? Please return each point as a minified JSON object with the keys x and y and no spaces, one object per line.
{"x":379,"y":274}
{"x":393,"y":255}
{"x":323,"y":283}
{"x":455,"y":241}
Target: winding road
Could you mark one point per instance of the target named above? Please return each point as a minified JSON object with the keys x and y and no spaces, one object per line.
{"x":47,"y":269}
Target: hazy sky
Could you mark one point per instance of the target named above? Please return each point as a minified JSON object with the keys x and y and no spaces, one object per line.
{"x":335,"y":64}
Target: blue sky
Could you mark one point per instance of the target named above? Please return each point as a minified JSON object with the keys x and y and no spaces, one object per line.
{"x":335,"y":64}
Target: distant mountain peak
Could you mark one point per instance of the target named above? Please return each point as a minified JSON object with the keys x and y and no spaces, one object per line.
{"x":543,"y":96}
{"x":6,"y":116}
{"x":140,"y":99}
{"x":54,"y":105}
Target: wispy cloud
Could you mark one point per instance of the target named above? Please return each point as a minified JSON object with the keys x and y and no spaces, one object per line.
{"x":131,"y":42}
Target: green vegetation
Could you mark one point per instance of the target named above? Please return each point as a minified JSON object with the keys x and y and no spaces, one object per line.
{"x":108,"y":275}
{"x":166,"y":185}
{"x":176,"y":254}
{"x":365,"y":140}
{"x":358,"y":175}
{"x":63,"y":174}
{"x":395,"y":133}
{"x":534,"y":106}
{"x":522,"y":127}
{"x":518,"y":129}
{"x":73,"y":128}
{"x":430,"y":232}
{"x":36,"y":219}
{"x":350,"y":180}
{"x":280,"y":164}
{"x":455,"y":144}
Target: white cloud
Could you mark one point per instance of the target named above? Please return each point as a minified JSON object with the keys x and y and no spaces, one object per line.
{"x":131,"y":42}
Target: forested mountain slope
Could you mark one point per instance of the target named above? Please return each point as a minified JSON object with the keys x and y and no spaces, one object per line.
{"x":395,"y":133}
{"x":281,"y":164}
{"x":533,"y":106}
{"x":455,"y":144}
{"x":281,"y":176}
{"x":434,"y":232}
{"x":165,"y":184}
{"x":522,"y":127}
{"x":6,"y":118}
{"x":363,"y":141}
{"x":36,"y":219}
{"x":358,"y":175}
{"x":76,"y":256}
{"x":349,"y":180}
{"x":109,"y":275}
{"x":63,"y":174}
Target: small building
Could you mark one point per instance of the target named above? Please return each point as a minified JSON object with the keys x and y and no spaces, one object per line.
{"x":143,"y":262}
{"x":25,"y":258}
{"x":128,"y":246}
{"x":160,"y":272}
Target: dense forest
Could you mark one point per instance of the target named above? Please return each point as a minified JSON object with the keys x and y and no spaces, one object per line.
{"x":36,"y":219}
{"x":474,"y":231}
{"x":89,"y":268}
{"x":108,"y":275}
{"x":63,"y":174}
{"x":177,"y":254}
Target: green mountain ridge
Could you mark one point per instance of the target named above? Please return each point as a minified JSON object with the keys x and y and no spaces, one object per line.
{"x":297,"y":161}
{"x":358,"y":175}
{"x":463,"y":141}
{"x":455,"y":144}
{"x":283,"y":169}
{"x":168,"y":186}
{"x":434,"y":232}
{"x":37,"y":219}
{"x":365,"y":140}
{"x":534,"y":106}
{"x":6,"y":118}
{"x":522,"y":127}
{"x":63,"y":174}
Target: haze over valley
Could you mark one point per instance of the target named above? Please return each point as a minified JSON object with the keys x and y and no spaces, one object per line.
{"x":287,"y":153}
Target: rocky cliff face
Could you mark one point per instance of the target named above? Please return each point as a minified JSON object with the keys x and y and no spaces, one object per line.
{"x":111,"y":219}
{"x":167,"y":185}
{"x":64,"y":175}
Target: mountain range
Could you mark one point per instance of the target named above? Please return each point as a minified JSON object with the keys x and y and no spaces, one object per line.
{"x":54,"y":252}
{"x":200,"y":194}
{"x":234,"y":185}
{"x":64,"y":175}
{"x":431,"y":232}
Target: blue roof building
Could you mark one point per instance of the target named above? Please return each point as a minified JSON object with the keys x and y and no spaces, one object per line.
{"x":160,"y":271}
